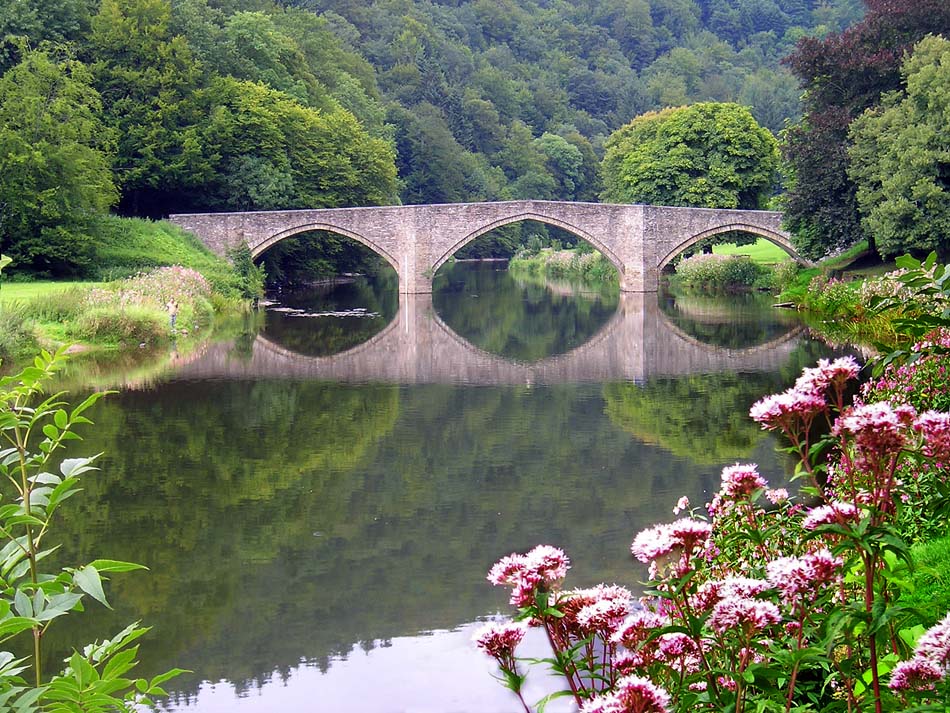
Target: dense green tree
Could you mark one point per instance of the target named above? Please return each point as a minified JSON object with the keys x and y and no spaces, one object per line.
{"x":708,"y":155}
{"x":267,"y":146}
{"x":55,"y":164}
{"x":148,"y":79}
{"x":899,"y":158}
{"x":842,"y":75}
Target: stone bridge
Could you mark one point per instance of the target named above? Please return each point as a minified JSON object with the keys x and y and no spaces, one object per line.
{"x":637,"y":344}
{"x":417,"y":239}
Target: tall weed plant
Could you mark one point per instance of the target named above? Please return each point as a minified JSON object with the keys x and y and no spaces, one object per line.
{"x":35,"y":480}
{"x":761,"y":601}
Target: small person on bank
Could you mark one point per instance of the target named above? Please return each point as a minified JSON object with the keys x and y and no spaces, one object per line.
{"x":172,"y":308}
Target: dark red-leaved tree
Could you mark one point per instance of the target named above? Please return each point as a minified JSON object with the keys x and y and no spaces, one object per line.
{"x":842,"y":75}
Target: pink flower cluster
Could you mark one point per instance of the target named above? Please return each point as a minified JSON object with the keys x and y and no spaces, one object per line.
{"x":934,"y":426}
{"x":601,"y":609}
{"x":740,"y":481}
{"x":499,"y":640}
{"x":798,"y":578}
{"x":834,"y":513}
{"x":656,"y":545}
{"x":879,"y":430}
{"x":833,"y":375}
{"x":632,"y":694}
{"x":795,"y":408}
{"x":542,"y":568}
{"x":750,"y":615}
{"x":930,"y":662}
{"x":637,"y":628}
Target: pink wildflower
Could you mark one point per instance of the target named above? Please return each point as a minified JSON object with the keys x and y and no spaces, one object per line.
{"x":681,"y":505}
{"x":835,"y":512}
{"x":604,"y":615}
{"x":632,"y":694}
{"x":507,"y":570}
{"x":879,"y":429}
{"x":787,"y":411}
{"x":935,"y":643}
{"x":550,"y":564}
{"x":777,"y":496}
{"x":637,"y":628}
{"x":542,"y":568}
{"x":681,"y":536}
{"x":740,"y":481}
{"x":742,"y":587}
{"x":675,"y":646}
{"x":915,"y":675}
{"x":744,"y":613}
{"x":930,"y":662}
{"x":713,"y":591}
{"x":798,"y":577}
{"x":499,"y":640}
{"x":836,"y":373}
{"x":935,"y":427}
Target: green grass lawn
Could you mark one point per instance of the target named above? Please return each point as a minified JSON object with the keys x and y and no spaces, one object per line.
{"x":23,"y":291}
{"x":762,"y":251}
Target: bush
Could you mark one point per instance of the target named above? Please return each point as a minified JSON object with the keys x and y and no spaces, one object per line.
{"x":125,"y":325}
{"x":17,"y":337}
{"x":60,"y":306}
{"x":783,"y":275}
{"x":718,"y":272}
{"x":833,"y":297}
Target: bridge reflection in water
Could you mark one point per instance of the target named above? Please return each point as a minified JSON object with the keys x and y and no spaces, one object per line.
{"x":417,"y":347}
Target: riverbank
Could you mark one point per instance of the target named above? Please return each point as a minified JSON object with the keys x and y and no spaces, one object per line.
{"x":152,"y":286}
{"x":573,"y":264}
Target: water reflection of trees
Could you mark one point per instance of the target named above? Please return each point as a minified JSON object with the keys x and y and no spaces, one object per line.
{"x":521,"y":321}
{"x":732,"y":321}
{"x":284,"y":522}
{"x":703,"y":417}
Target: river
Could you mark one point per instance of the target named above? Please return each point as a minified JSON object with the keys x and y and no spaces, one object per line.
{"x":319,"y":500}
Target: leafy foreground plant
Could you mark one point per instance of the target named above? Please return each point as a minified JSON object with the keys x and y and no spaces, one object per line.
{"x":34,"y":428}
{"x":763,"y":603}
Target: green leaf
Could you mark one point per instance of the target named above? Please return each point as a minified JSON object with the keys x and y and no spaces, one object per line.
{"x":74,"y":467}
{"x":22,"y":603}
{"x":120,"y":664}
{"x":116,"y":566}
{"x":60,"y":419}
{"x":88,"y":580}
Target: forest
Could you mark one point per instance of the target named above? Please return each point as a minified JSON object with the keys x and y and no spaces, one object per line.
{"x":151,"y":107}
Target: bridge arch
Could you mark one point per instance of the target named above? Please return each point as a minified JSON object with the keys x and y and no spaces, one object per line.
{"x":537,"y":217}
{"x":770,"y":235}
{"x":266,"y":243}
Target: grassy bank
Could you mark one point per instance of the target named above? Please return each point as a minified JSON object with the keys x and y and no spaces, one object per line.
{"x":155,"y":285}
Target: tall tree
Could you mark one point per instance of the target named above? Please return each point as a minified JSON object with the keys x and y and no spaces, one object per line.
{"x":708,"y":155}
{"x":55,"y":164}
{"x":844,"y":74}
{"x":900,"y":158}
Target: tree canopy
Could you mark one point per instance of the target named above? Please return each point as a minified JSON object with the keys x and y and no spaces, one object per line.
{"x":55,"y":163}
{"x":843,"y":74}
{"x":899,"y":158}
{"x":708,"y":155}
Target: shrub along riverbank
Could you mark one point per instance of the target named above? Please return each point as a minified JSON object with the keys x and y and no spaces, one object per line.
{"x":580,"y":264}
{"x":156,"y":284}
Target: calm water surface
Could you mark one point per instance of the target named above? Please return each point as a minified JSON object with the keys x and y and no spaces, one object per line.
{"x":322,"y":545}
